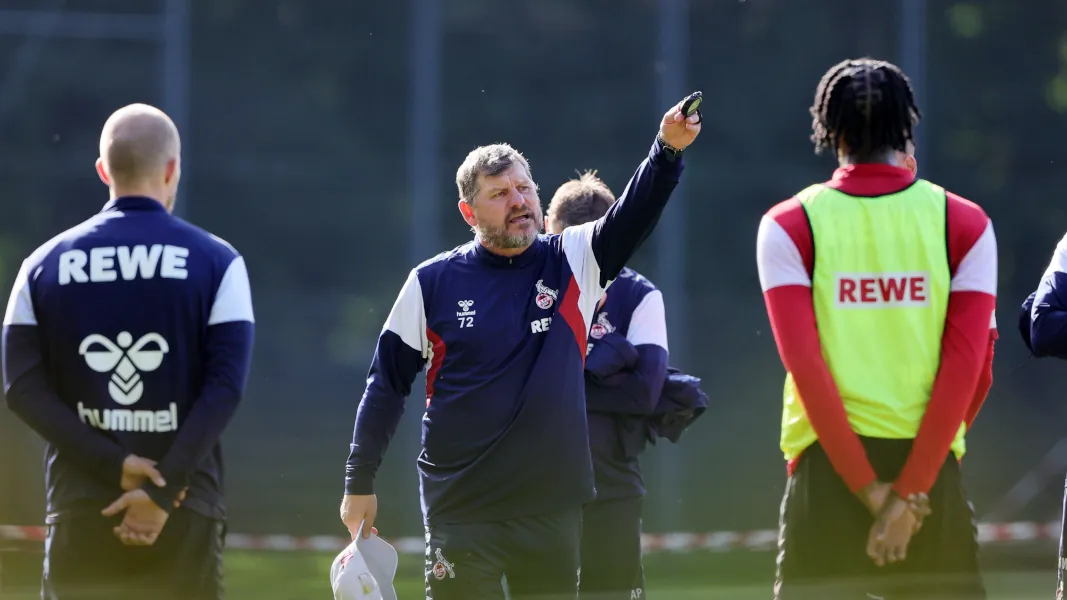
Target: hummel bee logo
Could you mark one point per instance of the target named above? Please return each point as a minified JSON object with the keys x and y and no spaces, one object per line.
{"x":124,"y":356}
{"x":465,"y":314}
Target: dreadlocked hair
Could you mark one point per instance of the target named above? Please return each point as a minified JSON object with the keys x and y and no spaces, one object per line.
{"x":868,"y":105}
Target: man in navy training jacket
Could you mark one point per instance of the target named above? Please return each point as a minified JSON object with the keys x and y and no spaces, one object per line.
{"x":1043,"y":326}
{"x":625,"y":369}
{"x":126,"y":345}
{"x":501,"y":324}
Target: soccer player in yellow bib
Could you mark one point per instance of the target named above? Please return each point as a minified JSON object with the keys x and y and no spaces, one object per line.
{"x":880,"y":288}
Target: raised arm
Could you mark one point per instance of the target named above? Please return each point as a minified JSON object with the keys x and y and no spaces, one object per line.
{"x":227,"y":360}
{"x":634,"y":390}
{"x":598,"y":251}
{"x":35,"y":401}
{"x":400,"y":355}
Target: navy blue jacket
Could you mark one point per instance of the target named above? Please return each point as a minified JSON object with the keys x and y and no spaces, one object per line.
{"x":1043,"y":316}
{"x":504,"y":340}
{"x":625,"y":371}
{"x":681,"y":403}
{"x":129,"y":333}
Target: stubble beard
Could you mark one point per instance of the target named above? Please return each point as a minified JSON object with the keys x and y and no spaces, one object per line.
{"x":498,"y":237}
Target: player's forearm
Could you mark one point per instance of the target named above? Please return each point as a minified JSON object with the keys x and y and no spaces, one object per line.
{"x":963,"y":353}
{"x":985,"y":381}
{"x":31,"y":397}
{"x":636,"y":391}
{"x":792,"y":316}
{"x":393,"y":369}
{"x":376,"y":421}
{"x":611,"y":354}
{"x":1048,"y":318}
{"x":634,"y":215}
{"x":229,"y":358}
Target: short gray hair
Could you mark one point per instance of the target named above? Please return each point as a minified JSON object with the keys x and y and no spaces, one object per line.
{"x":490,"y":161}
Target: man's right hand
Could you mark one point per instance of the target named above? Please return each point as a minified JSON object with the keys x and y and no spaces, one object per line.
{"x":137,"y":470}
{"x":874,"y":496}
{"x":677,"y":130}
{"x":355,"y":510}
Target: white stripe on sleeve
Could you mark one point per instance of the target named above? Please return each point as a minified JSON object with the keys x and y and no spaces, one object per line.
{"x":648,"y":324}
{"x":978,"y":269}
{"x":778,"y":258}
{"x":577,"y":244}
{"x":20,"y":304}
{"x":407,"y":319}
{"x":233,"y":299}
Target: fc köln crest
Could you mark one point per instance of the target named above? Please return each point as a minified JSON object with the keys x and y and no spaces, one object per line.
{"x":602,"y":326}
{"x":545,"y":295}
{"x":442,"y":567}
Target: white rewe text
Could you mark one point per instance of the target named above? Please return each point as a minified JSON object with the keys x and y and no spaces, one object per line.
{"x":108,"y":263}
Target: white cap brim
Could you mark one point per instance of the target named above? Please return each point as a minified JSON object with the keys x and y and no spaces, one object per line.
{"x":381,"y":559}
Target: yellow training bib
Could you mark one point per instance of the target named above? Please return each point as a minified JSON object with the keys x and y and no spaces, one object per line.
{"x":880,"y":288}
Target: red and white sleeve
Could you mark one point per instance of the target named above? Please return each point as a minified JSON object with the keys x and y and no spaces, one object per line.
{"x":785,"y":257}
{"x":966,"y":344}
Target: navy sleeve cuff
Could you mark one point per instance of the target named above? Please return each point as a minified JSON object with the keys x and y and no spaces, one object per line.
{"x":359,"y":481}
{"x":664,"y":160}
{"x":163,"y":497}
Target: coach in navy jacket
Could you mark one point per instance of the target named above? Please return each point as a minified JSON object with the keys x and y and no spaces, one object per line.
{"x":126,"y":345}
{"x":501,"y":324}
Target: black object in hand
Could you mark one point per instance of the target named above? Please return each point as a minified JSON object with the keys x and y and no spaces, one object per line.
{"x":691,"y":105}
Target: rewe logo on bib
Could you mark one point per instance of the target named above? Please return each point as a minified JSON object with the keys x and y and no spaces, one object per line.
{"x":882,"y":290}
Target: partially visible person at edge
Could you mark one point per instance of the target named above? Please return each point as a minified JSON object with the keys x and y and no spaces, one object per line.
{"x":501,"y":324}
{"x":127,"y":343}
{"x":1043,"y":326}
{"x":887,"y":339}
{"x":627,"y":378}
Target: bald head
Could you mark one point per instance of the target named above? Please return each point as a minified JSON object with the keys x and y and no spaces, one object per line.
{"x":139,"y":147}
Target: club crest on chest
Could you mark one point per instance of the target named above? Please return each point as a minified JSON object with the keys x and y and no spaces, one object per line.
{"x":546,"y":296}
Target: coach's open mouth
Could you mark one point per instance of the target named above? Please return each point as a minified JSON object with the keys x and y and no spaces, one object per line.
{"x":519,"y":219}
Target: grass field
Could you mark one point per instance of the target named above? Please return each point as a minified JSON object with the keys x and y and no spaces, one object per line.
{"x":305,"y":576}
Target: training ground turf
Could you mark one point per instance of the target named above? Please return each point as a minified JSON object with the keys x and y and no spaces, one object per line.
{"x":285,"y":577}
{"x":305,"y":576}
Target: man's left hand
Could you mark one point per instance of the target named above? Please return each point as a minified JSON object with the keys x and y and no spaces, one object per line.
{"x":143,"y":520}
{"x":676,"y":130}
